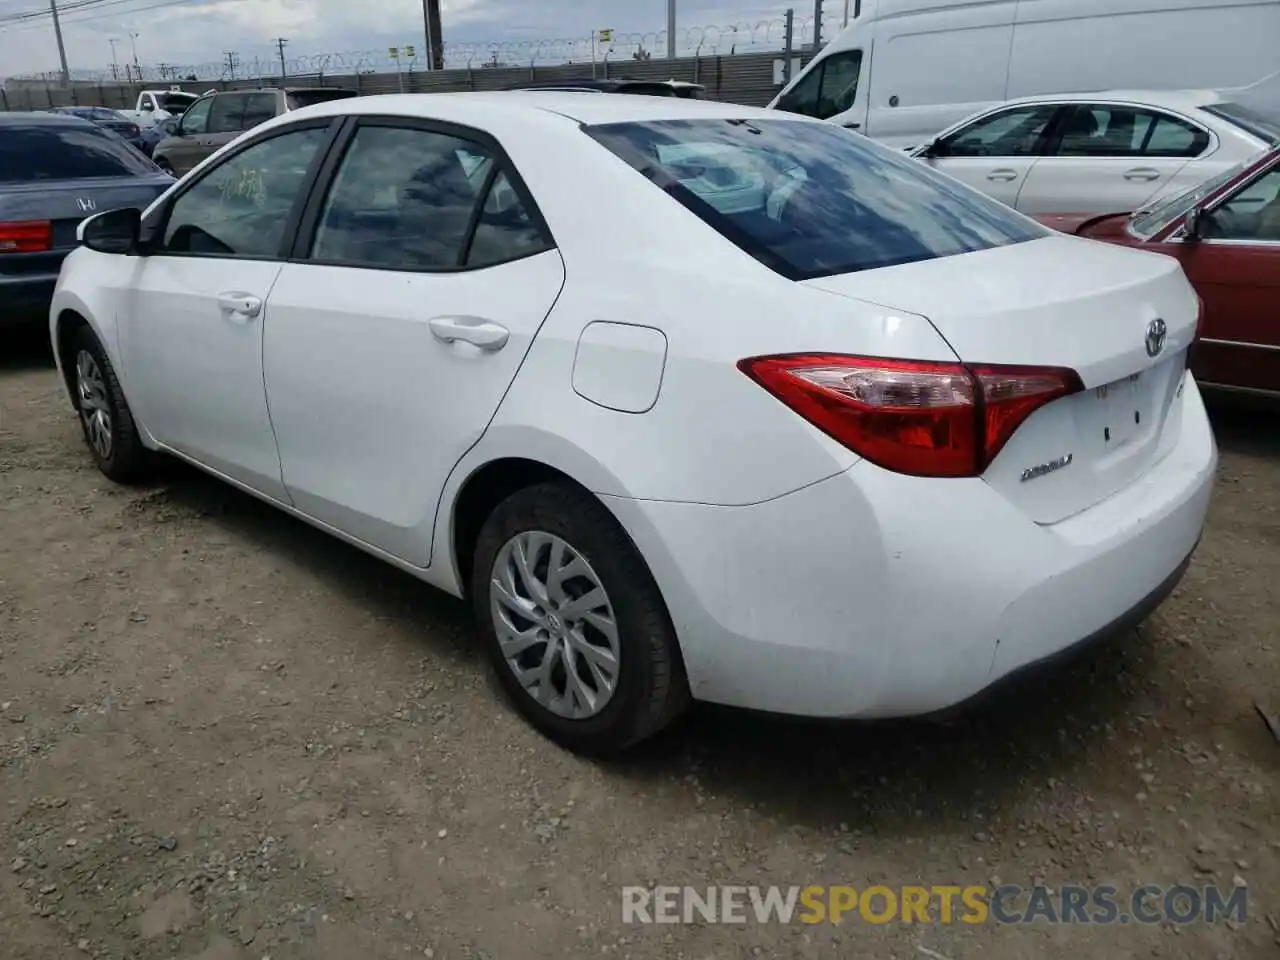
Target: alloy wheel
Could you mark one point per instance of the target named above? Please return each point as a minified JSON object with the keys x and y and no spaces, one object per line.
{"x":94,"y":405}
{"x":555,"y":624}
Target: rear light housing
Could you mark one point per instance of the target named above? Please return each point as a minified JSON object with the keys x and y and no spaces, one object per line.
{"x":133,"y":131}
{"x":26,"y":236}
{"x":915,"y":417}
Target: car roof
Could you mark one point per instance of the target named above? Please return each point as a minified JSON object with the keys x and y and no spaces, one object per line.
{"x":1171,"y":99}
{"x":14,"y":118}
{"x":588,"y":107}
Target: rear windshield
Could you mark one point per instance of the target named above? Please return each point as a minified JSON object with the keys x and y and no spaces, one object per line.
{"x":812,"y":199}
{"x":1266,"y":129}
{"x":94,"y":113}
{"x":66,"y":152}
{"x":306,"y":98}
{"x":177,"y":103}
{"x":660,"y":90}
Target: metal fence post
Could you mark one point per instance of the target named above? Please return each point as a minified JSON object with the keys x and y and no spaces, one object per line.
{"x":817,"y":25}
{"x":788,"y":39}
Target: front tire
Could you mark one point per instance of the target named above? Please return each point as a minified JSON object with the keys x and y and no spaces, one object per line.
{"x":573,"y":622}
{"x":105,"y":418}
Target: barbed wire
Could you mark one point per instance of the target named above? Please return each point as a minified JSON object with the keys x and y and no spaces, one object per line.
{"x":755,"y":36}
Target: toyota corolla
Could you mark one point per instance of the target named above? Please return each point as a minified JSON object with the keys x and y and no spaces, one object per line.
{"x":856,"y":442}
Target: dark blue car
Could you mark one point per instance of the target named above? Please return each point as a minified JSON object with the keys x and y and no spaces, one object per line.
{"x":153,"y":134}
{"x":55,"y":171}
{"x":107,"y":119}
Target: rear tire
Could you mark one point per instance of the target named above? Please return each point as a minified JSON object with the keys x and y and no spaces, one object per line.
{"x":609,"y":662}
{"x":105,"y":418}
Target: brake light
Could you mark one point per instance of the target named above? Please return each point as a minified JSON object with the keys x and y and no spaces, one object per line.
{"x":133,"y":131}
{"x":26,"y":236}
{"x":915,"y":417}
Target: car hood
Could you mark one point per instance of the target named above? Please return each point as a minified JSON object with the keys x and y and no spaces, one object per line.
{"x":1087,"y":224}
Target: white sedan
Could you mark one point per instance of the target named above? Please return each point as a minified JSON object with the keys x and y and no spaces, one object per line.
{"x":1099,"y":152}
{"x":859,"y":450}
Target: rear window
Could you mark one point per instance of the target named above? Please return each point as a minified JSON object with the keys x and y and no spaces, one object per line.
{"x":1266,"y":129}
{"x":177,"y":104}
{"x":812,"y":199}
{"x":57,"y":152}
{"x":306,"y":98}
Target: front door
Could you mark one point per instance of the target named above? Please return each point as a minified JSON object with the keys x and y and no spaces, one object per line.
{"x":997,"y":152}
{"x":191,"y":324}
{"x":1236,"y":270}
{"x":183,"y":149}
{"x":394,"y":335}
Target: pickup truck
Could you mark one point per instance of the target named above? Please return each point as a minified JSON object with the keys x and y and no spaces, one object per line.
{"x":156,"y":105}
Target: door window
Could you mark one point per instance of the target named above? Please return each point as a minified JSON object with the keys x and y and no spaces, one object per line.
{"x":1252,"y":214}
{"x":241,"y":206}
{"x":1017,"y":132}
{"x":196,"y":120}
{"x":227,"y":113}
{"x":1117,"y":131}
{"x":828,"y":89}
{"x":407,"y":199}
{"x":258,"y":108}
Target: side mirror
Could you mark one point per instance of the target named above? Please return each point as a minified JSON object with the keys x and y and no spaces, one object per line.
{"x":926,"y":151}
{"x":115,"y":231}
{"x":1193,"y":223}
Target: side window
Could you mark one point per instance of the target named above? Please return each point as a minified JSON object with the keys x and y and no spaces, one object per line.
{"x":226,"y":113}
{"x":829,"y":88}
{"x":505,"y":230}
{"x":1252,"y":214}
{"x":196,"y":120}
{"x":406,"y":199}
{"x":258,"y":108}
{"x":1171,"y":137}
{"x":240,"y":208}
{"x":1016,"y":132}
{"x":1100,"y":130}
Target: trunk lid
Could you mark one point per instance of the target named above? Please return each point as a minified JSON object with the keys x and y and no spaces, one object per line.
{"x":1060,"y":302}
{"x":67,"y":202}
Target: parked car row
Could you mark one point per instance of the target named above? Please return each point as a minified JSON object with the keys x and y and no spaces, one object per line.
{"x":393,"y":318}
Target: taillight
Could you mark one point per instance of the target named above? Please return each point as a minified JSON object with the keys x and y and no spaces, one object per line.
{"x":916,"y":417}
{"x":26,"y":236}
{"x":133,"y":131}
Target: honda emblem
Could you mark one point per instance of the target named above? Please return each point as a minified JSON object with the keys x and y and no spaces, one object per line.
{"x":86,"y":204}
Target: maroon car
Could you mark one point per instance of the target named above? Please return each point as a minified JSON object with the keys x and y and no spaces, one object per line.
{"x":1226,"y":234}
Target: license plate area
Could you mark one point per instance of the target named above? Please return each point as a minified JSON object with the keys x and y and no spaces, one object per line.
{"x":1123,"y":409}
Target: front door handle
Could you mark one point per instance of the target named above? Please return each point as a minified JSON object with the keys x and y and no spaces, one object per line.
{"x":239,"y":304}
{"x":1144,"y":174}
{"x":1003,"y":174}
{"x":476,"y":331}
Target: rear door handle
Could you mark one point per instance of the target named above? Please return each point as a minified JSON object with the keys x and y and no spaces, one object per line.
{"x":1144,"y":174}
{"x":238,"y":304}
{"x":476,"y":331}
{"x":1003,"y":174}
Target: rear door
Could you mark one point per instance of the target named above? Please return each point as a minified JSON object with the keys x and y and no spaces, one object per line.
{"x":226,"y":122}
{"x":1113,"y":158}
{"x":1236,"y":271}
{"x":186,"y":147}
{"x":997,"y":152}
{"x":421,"y":275}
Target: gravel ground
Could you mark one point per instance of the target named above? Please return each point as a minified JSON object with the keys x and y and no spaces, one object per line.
{"x":224,"y":735}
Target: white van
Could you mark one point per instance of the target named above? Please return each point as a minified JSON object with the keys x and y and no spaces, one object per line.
{"x":905,"y":69}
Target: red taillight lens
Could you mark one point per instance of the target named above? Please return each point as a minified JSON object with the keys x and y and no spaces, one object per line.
{"x":27,"y":236}
{"x":916,"y":417}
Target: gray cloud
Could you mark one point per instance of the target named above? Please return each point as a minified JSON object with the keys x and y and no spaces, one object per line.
{"x":199,"y":31}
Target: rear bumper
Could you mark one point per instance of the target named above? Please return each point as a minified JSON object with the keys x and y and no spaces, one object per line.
{"x":872,"y":595}
{"x":26,"y":297}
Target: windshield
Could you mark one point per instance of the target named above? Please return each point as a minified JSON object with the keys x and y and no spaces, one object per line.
{"x":66,"y":152}
{"x":812,"y":199}
{"x":1147,"y":223}
{"x":1266,"y":129}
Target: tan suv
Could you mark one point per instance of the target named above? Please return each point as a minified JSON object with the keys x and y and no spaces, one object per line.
{"x":218,"y":118}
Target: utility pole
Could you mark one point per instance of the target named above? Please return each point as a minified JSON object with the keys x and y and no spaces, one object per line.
{"x":57,"y":32}
{"x":231,"y":63}
{"x":115,"y":67}
{"x":280,"y":42}
{"x":435,"y":40}
{"x":671,"y":29}
{"x":133,"y":44}
{"x":817,"y":25}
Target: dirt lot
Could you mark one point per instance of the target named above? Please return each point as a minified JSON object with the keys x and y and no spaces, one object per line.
{"x":224,"y":735}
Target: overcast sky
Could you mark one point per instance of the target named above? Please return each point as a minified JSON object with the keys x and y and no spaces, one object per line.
{"x":200,"y":31}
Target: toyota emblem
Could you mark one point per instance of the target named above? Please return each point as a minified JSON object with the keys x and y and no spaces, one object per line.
{"x":1156,"y":332}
